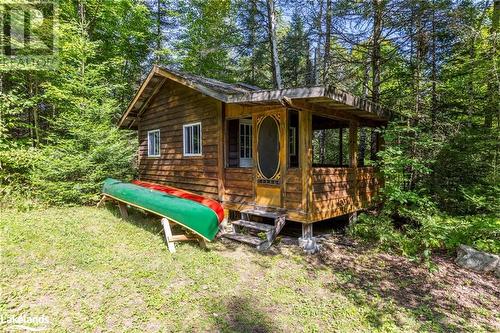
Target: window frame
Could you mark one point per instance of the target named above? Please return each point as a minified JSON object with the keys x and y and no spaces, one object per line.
{"x":149,"y":143}
{"x":184,"y":140}
{"x":248,"y":145}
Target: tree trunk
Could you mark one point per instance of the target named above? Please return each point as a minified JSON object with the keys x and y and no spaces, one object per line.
{"x":328,"y":37}
{"x":252,"y":43}
{"x":494,"y":83}
{"x":36,"y":123}
{"x":158,"y":29}
{"x":83,"y":33}
{"x":362,"y":130}
{"x":317,"y":52}
{"x":271,"y":19}
{"x":374,"y":145}
{"x":316,"y":74}
{"x":434,"y":107}
{"x":376,"y":54}
{"x":322,"y":148}
{"x":419,"y":54}
{"x":470,"y":84}
{"x":366,"y":79}
{"x":34,"y":117}
{"x":341,"y":143}
{"x":472,"y":57}
{"x":362,"y":147}
{"x":309,"y":66}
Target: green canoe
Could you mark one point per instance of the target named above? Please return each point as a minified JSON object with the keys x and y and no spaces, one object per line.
{"x":189,"y":214}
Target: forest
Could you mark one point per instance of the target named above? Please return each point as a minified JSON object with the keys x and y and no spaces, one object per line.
{"x":433,"y":63}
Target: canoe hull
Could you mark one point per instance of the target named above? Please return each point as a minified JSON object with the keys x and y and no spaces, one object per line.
{"x":189,"y":214}
{"x":210,"y":203}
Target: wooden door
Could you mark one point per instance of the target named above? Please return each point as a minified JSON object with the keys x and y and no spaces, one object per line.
{"x":269,"y":160}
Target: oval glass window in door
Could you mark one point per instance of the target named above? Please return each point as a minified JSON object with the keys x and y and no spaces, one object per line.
{"x":268,"y":147}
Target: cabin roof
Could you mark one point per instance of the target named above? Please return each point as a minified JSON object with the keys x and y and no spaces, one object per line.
{"x":320,"y":98}
{"x":215,"y":85}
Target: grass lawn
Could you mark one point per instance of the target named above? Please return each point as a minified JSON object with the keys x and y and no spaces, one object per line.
{"x":88,"y":270}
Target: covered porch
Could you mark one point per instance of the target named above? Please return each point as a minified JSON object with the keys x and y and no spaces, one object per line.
{"x":306,"y":159}
{"x":323,"y":169}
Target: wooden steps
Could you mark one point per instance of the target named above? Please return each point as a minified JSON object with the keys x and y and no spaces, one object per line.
{"x":263,"y":213}
{"x":253,"y":225}
{"x":260,"y":235}
{"x":252,"y":240}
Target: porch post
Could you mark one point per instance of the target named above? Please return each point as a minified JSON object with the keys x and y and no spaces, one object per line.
{"x":308,"y":241}
{"x":353,"y":218}
{"x":305,"y":143}
{"x":353,"y":161}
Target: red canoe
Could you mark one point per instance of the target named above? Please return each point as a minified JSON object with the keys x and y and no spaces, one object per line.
{"x":210,"y":203}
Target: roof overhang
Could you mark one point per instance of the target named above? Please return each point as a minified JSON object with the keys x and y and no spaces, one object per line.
{"x":148,"y":89}
{"x":319,"y":98}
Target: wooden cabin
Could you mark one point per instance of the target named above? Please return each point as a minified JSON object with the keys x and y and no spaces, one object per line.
{"x":289,"y":154}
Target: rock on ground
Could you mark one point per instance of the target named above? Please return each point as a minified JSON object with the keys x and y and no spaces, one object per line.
{"x":470,"y":258}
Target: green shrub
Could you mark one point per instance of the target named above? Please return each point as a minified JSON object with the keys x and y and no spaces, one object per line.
{"x":479,"y":231}
{"x":403,"y":195}
{"x":465,"y":182}
{"x":376,"y":229}
{"x":466,"y":178}
{"x":436,"y":232}
{"x":69,"y":173}
{"x":16,"y":166}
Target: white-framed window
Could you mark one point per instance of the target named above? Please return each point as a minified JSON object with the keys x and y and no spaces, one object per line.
{"x":154,"y":143}
{"x":293,"y":141}
{"x":245,"y":143}
{"x":192,"y":139}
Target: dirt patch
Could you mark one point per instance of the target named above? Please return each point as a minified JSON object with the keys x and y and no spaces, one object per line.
{"x":449,"y":298}
{"x":244,"y":261}
{"x":451,"y":295}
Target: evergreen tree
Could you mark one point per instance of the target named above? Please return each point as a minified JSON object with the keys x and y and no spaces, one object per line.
{"x":252,"y":52}
{"x":209,"y":38}
{"x":295,"y":51}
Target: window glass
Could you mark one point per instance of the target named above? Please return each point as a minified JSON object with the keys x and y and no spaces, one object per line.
{"x":154,"y":143}
{"x":245,"y":143}
{"x":192,"y":139}
{"x":245,"y":140}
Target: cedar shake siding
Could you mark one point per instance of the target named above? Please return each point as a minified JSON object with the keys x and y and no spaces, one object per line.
{"x":174,"y":106}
